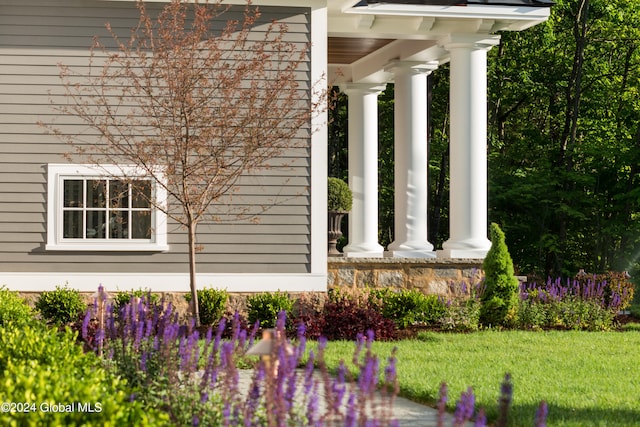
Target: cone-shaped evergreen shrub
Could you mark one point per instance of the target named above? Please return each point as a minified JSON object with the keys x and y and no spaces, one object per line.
{"x":500,"y":298}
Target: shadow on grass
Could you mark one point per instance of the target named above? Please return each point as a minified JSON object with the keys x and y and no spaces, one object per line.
{"x":524,"y":415}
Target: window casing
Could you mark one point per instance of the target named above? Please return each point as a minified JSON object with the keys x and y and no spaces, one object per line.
{"x":91,"y":209}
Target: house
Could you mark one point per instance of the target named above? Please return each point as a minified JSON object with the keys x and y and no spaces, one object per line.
{"x":50,"y":235}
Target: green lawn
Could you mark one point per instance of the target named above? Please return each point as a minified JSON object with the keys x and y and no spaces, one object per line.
{"x":587,"y":378}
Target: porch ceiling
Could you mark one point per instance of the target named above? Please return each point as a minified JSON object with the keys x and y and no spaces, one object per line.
{"x":344,"y":50}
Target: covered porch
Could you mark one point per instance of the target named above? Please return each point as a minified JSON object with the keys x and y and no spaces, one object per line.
{"x":372,"y":44}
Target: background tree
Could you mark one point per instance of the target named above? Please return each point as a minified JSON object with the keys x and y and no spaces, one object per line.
{"x":564,"y":139}
{"x":563,"y":142}
{"x":195,"y":107}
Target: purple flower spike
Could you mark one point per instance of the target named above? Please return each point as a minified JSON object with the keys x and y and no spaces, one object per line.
{"x":506,"y":394}
{"x":85,"y":325}
{"x":442,"y":404}
{"x":143,"y":361}
{"x":481,"y":419}
{"x":390,"y":373}
{"x":322,"y":343}
{"x":465,"y":407}
{"x":352,"y":412}
{"x":370,"y":336}
{"x":541,"y":415}
{"x":313,"y":408}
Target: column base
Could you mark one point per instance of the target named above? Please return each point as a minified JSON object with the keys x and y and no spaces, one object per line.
{"x":469,"y":248}
{"x":363,"y":251}
{"x":462,"y":253}
{"x":411,"y":249}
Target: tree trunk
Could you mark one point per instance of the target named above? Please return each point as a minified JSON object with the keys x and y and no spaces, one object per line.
{"x":195,"y":307}
{"x":573,"y":94}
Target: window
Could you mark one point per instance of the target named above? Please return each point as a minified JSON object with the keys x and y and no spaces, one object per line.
{"x":93,"y":209}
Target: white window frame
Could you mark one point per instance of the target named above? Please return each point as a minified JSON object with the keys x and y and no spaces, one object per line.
{"x":57,"y":173}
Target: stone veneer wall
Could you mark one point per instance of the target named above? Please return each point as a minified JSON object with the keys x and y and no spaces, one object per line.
{"x":436,"y":276}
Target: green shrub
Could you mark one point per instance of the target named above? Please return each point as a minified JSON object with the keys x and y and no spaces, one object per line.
{"x":501,"y":295}
{"x":264,"y":307}
{"x":44,"y":369}
{"x":577,"y":314}
{"x":570,"y":313}
{"x":122,"y":298}
{"x":211,"y":304}
{"x":61,"y":306}
{"x":631,"y":326}
{"x":412,"y":307}
{"x":13,"y":309}
{"x":533,"y":315}
{"x":339,"y":196}
{"x":461,"y":316}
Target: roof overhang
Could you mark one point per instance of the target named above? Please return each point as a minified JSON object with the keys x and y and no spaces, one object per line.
{"x":424,"y":20}
{"x":411,"y":30}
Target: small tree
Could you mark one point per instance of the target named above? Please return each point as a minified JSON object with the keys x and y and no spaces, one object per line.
{"x":500,"y":298}
{"x":193,"y":106}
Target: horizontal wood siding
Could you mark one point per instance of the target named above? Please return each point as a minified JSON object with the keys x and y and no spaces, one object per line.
{"x":36,"y":35}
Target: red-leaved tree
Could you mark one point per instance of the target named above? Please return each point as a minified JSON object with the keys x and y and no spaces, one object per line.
{"x":191,"y":105}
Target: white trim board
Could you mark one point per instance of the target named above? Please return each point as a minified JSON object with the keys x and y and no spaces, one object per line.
{"x":164,"y":282}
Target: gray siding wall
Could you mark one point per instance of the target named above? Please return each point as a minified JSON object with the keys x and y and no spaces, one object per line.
{"x":36,"y":35}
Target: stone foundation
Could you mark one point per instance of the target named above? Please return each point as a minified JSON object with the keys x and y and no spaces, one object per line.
{"x":449,"y":278}
{"x":445,"y":277}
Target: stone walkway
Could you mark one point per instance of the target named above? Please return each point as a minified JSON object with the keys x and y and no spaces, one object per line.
{"x":412,"y":414}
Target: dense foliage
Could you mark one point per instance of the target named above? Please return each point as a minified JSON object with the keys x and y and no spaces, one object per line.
{"x":265,"y":307}
{"x":122,"y":298}
{"x":339,"y":196}
{"x":13,"y":309}
{"x":564,"y":139}
{"x":410,"y":307}
{"x":212,"y":304}
{"x":60,"y":306}
{"x":53,"y":382}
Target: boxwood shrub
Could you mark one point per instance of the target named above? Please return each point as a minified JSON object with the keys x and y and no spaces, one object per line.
{"x":266,"y":306}
{"x":211,"y":303}
{"x":13,"y":309}
{"x":57,"y":384}
{"x":410,"y":307}
{"x":60,"y":306}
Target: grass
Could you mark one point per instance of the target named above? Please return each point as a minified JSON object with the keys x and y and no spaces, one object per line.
{"x":587,"y":379}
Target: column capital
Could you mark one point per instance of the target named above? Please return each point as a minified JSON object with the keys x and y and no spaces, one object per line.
{"x":412,"y":67}
{"x":364,"y":88}
{"x":469,"y":41}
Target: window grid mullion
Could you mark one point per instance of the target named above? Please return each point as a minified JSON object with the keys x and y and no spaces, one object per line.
{"x":129,"y":211}
{"x":85,"y":202}
{"x":107,"y":205}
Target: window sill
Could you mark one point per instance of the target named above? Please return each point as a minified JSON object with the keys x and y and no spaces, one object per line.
{"x":116,"y":247}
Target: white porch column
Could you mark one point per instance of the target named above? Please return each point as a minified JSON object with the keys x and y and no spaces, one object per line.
{"x":363,"y":169}
{"x":468,"y":145}
{"x":410,"y":157}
